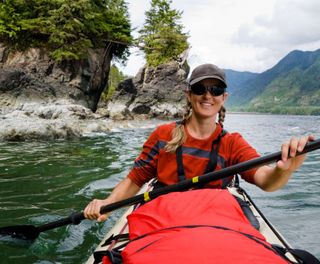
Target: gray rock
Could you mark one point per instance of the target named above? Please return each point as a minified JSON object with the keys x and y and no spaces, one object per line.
{"x":152,"y":93}
{"x":26,"y":128}
{"x":45,"y":100}
{"x":32,"y":76}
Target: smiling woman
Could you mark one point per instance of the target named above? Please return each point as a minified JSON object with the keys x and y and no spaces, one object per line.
{"x":198,"y":144}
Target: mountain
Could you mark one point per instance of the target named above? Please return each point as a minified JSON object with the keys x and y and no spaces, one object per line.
{"x":292,"y":86}
{"x":236,"y":78}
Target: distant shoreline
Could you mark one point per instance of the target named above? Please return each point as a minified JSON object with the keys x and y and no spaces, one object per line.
{"x":248,"y":113}
{"x":267,"y":113}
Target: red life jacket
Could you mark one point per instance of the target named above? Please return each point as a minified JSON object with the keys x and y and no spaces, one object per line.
{"x":199,"y":226}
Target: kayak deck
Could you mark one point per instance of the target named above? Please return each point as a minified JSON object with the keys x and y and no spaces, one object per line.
{"x":266,"y":228}
{"x":271,"y":234}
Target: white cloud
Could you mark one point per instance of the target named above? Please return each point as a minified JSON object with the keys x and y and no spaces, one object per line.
{"x":242,"y":35}
{"x":288,"y":27}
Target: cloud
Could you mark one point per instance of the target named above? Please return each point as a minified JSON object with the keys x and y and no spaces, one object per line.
{"x":136,"y":12}
{"x":294,"y":24}
{"x":241,"y":35}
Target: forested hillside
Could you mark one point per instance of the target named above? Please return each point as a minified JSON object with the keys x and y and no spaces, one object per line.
{"x":292,"y":86}
{"x":66,"y":29}
{"x":236,"y":79}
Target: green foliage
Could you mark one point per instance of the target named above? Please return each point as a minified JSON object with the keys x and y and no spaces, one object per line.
{"x":162,"y":38}
{"x":67,"y":28}
{"x":115,"y":77}
{"x":293,"y":87}
{"x":284,"y":110}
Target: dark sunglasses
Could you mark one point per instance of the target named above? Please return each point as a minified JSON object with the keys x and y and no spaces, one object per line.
{"x":199,"y":89}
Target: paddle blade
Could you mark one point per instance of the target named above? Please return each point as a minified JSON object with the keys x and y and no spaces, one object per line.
{"x":25,"y":232}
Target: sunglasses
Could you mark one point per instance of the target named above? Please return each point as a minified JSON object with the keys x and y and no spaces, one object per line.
{"x":199,"y":89}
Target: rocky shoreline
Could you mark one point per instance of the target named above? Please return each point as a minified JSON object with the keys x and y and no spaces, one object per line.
{"x":45,"y":100}
{"x":47,"y":122}
{"x":57,"y":121}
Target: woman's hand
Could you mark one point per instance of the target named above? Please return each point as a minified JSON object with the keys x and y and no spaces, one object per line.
{"x":124,"y":189}
{"x":290,"y":162}
{"x":92,"y":210}
{"x":273,"y":178}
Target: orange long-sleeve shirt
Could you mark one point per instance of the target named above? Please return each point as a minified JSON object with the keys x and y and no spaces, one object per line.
{"x":154,"y":161}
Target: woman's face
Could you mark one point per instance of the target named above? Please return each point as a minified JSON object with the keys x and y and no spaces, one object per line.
{"x":206,"y":105}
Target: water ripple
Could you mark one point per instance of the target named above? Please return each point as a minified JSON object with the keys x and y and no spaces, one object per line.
{"x":46,"y":181}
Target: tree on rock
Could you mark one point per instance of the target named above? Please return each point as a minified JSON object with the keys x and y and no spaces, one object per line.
{"x":66,"y":28}
{"x":162,"y":38}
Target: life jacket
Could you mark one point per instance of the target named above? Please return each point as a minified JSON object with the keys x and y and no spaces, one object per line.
{"x":211,"y":166}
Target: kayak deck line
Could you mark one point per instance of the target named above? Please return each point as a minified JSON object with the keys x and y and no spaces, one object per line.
{"x":271,"y":234}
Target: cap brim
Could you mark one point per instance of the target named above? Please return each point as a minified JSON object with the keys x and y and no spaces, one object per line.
{"x":208,"y":77}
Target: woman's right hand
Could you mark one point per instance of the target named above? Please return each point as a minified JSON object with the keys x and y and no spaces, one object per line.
{"x":124,"y":189}
{"x":92,"y":210}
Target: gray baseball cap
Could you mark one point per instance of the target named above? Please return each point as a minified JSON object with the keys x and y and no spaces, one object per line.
{"x":207,"y":71}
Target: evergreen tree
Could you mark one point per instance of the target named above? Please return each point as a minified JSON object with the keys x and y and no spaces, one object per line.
{"x":115,"y":77}
{"x":66,"y":28}
{"x":162,"y":38}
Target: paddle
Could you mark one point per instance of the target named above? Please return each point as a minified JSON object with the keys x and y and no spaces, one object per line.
{"x":30,"y":232}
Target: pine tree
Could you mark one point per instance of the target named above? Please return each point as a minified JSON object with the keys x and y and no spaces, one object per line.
{"x":66,"y":28}
{"x":162,"y":38}
{"x":115,"y":77}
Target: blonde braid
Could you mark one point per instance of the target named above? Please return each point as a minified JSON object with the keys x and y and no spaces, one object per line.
{"x":222,"y":115}
{"x":178,"y":133}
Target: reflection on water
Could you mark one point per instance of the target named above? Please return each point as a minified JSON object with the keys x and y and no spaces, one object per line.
{"x":44,"y":181}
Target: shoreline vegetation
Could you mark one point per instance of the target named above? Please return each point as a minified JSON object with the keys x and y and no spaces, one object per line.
{"x":280,"y":110}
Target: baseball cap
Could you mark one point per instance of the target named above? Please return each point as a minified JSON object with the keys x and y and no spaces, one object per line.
{"x":207,"y":71}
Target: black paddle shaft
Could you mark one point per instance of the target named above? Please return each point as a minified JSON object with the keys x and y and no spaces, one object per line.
{"x":206,"y":178}
{"x":31,"y":232}
{"x":76,"y":218}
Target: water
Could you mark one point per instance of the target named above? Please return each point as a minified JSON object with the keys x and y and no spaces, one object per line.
{"x":44,"y":181}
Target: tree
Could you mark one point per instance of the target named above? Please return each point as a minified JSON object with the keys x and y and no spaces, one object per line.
{"x":162,"y":38}
{"x":115,"y":77}
{"x":66,"y":28}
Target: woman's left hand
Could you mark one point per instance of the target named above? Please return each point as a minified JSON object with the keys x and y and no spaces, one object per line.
{"x":290,"y":161}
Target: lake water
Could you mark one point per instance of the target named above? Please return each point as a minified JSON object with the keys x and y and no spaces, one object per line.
{"x":44,"y":181}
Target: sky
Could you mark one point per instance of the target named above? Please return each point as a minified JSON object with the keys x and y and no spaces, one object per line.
{"x":243,"y":35}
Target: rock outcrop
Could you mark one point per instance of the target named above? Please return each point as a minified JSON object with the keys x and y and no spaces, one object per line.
{"x":152,"y":93}
{"x":31,"y":76}
{"x":47,"y":100}
{"x":44,"y":99}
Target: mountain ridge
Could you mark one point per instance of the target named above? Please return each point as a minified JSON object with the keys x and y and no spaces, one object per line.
{"x":291,"y":86}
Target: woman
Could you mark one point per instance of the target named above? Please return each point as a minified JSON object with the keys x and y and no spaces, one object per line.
{"x":198,"y":144}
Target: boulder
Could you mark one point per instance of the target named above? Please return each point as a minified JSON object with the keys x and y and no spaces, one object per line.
{"x":155,"y":92}
{"x":31,"y":76}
